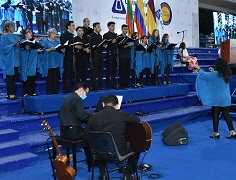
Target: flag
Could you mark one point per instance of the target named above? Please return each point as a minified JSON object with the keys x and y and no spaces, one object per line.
{"x":130,"y":17}
{"x":159,"y":21}
{"x":139,"y":17}
{"x":151,"y":17}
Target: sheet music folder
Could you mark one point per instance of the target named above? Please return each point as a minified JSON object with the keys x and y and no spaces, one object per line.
{"x":171,"y":46}
{"x":59,"y":47}
{"x":32,"y":44}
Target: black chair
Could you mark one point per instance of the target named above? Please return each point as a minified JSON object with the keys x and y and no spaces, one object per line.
{"x":103,"y":148}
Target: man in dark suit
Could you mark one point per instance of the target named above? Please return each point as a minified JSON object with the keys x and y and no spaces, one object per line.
{"x":111,"y":63}
{"x":68,"y":60}
{"x":113,"y":120}
{"x":124,"y":57}
{"x":87,"y":30}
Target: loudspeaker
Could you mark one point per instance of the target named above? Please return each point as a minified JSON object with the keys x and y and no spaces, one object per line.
{"x":175,"y":135}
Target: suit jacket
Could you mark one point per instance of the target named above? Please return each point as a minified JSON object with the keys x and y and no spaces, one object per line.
{"x":113,"y":121}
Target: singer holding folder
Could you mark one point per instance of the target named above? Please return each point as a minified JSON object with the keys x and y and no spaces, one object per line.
{"x":81,"y":54}
{"x":68,"y":59}
{"x":10,"y":58}
{"x":52,"y":62}
{"x":111,"y":63}
{"x":30,"y":59}
{"x":97,"y":59}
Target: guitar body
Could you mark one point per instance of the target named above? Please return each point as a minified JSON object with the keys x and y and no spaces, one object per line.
{"x":140,"y":136}
{"x":63,"y":171}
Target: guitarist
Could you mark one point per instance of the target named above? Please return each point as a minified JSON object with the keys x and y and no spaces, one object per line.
{"x":113,"y":120}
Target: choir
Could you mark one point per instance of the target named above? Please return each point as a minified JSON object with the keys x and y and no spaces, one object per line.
{"x":70,"y":58}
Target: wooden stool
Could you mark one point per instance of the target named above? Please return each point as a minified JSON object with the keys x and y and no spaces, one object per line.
{"x":73,"y":144}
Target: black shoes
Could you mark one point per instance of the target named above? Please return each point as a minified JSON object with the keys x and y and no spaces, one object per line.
{"x":215,"y":136}
{"x":130,"y":177}
{"x":231,"y":136}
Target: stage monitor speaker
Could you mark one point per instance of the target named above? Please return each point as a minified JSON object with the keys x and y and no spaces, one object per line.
{"x":175,"y":135}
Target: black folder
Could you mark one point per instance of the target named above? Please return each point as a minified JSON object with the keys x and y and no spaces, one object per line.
{"x":120,"y":39}
{"x":128,"y":40}
{"x":171,"y":46}
{"x":59,"y":47}
{"x":77,"y":43}
{"x":140,"y":47}
{"x":32,"y":44}
{"x":101,"y":44}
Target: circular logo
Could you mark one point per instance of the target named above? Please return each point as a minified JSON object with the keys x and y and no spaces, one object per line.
{"x":166,"y":13}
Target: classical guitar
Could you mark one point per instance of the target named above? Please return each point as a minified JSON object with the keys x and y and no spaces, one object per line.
{"x":63,"y":170}
{"x":140,"y":136}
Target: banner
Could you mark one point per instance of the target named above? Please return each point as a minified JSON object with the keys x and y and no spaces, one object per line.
{"x":174,"y":16}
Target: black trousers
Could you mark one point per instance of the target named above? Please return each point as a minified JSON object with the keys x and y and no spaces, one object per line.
{"x":68,"y":73}
{"x":111,"y":66}
{"x":52,"y":81}
{"x":148,"y":76}
{"x":124,"y":71}
{"x":166,"y":75}
{"x":11,"y":81}
{"x":81,"y":65}
{"x":97,"y":69}
{"x":225,"y":113}
{"x":29,"y":85}
{"x":154,"y":77}
{"x":136,"y":79}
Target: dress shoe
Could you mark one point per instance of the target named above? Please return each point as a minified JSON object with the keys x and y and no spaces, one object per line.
{"x":231,"y":136}
{"x":102,"y":177}
{"x":215,"y":136}
{"x":130,"y":177}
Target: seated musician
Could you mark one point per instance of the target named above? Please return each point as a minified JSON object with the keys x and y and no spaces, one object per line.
{"x":113,"y":120}
{"x":72,"y":113}
{"x":192,"y":61}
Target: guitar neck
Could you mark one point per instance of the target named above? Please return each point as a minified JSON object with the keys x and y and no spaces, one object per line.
{"x":55,"y":143}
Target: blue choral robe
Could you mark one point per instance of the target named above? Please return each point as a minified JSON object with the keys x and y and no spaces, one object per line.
{"x":168,"y":58}
{"x":30,"y":62}
{"x":52,"y":59}
{"x":156,"y":56}
{"x":10,"y":56}
{"x":212,"y":89}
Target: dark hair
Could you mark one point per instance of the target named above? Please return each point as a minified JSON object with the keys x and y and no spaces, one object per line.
{"x":69,"y":23}
{"x":111,"y":100}
{"x":222,"y":66}
{"x":144,"y":36}
{"x":124,"y":25}
{"x":153,"y":35}
{"x":78,"y":27}
{"x":111,"y":22}
{"x":95,"y":24}
{"x":163,"y":37}
{"x":83,"y":85}
{"x":85,"y":19}
{"x":133,"y":36}
{"x":182,"y":45}
{"x":24,"y":32}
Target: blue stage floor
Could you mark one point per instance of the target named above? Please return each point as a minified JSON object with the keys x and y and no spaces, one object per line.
{"x":203,"y":158}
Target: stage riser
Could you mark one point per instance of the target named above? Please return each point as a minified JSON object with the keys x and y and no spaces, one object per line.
{"x":8,"y":135}
{"x":14,"y":147}
{"x":17,"y":161}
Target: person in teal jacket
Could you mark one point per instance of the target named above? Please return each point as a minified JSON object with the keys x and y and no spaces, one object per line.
{"x":213,"y":90}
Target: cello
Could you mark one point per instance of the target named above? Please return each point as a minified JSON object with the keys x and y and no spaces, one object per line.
{"x":63,"y":170}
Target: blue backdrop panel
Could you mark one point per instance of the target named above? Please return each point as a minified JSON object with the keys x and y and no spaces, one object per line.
{"x":52,"y":103}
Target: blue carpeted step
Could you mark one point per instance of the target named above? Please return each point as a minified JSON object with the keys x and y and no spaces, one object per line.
{"x":17,"y":161}
{"x":8,"y":135}
{"x":8,"y":107}
{"x":179,"y":114}
{"x":13,"y":147}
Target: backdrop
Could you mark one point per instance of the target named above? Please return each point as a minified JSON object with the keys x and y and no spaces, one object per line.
{"x":178,"y":15}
